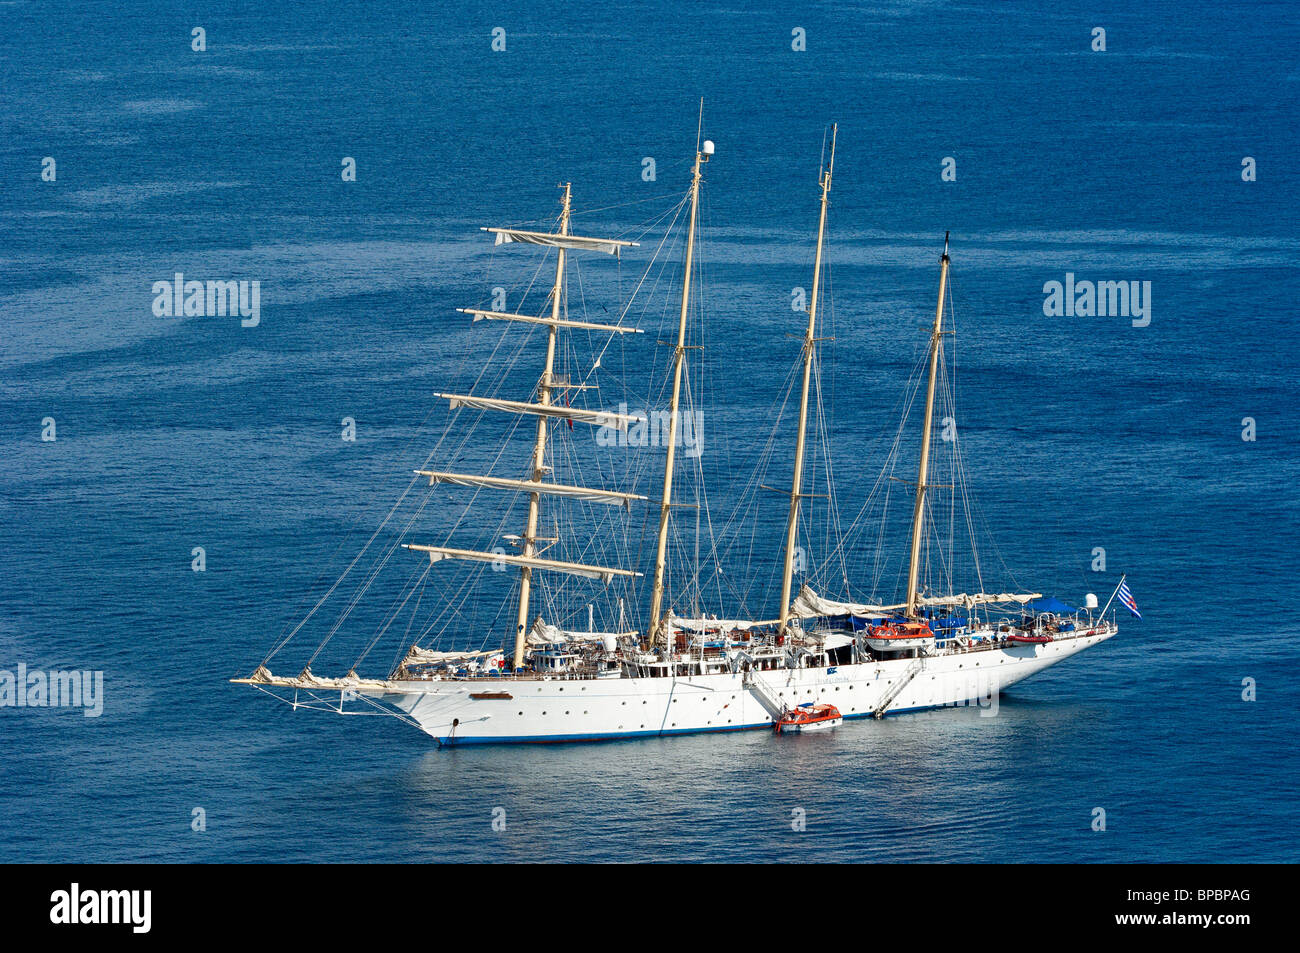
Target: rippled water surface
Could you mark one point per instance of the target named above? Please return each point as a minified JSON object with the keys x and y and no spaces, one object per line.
{"x":1080,"y":432}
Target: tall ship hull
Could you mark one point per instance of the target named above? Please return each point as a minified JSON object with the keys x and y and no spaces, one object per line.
{"x":816,"y":661}
{"x":516,"y":710}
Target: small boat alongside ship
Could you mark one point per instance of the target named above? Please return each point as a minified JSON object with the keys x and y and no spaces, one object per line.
{"x":809,"y":717}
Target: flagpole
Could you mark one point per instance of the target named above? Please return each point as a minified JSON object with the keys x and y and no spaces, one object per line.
{"x":1102,"y":617}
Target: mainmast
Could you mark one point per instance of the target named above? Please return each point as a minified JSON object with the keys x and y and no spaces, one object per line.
{"x":679,"y":353}
{"x":796,"y":489}
{"x":918,"y":515}
{"x":544,"y":388}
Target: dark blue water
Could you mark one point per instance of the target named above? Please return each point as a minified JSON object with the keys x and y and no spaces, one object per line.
{"x":1080,"y":432}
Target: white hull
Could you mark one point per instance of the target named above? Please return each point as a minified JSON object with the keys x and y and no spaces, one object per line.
{"x":553,"y":710}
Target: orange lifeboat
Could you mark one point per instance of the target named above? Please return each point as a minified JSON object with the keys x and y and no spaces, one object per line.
{"x":900,"y":637}
{"x":809,"y":718}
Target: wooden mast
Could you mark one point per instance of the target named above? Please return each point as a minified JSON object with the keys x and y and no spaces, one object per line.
{"x":918,"y":514}
{"x":796,"y":489}
{"x":665,"y":505}
{"x":544,"y":387}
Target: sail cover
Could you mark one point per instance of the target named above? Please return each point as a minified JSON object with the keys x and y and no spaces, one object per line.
{"x":419,"y":655}
{"x":543,"y":634}
{"x":599,"y":418}
{"x":809,"y":603}
{"x":531,"y":486}
{"x":439,"y":553}
{"x":720,"y":625}
{"x":610,"y":246}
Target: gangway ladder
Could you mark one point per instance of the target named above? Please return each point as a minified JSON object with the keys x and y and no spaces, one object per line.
{"x":909,"y":673}
{"x":764,"y":694}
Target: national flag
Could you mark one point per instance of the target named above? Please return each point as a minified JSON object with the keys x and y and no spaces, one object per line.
{"x":1126,"y":597}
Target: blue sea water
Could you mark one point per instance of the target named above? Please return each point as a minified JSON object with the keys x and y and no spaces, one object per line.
{"x":1081,"y":432}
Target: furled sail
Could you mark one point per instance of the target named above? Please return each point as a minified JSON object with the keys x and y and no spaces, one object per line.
{"x":610,"y":246}
{"x":439,"y":553}
{"x":543,"y":633}
{"x":305,"y":679}
{"x":532,"y":486}
{"x":808,"y":603}
{"x":600,"y":418}
{"x":717,"y":625}
{"x":418,"y":655}
{"x":481,"y":315}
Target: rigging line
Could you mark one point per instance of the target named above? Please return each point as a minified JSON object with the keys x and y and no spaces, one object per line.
{"x":406,"y":636}
{"x":338,"y":581}
{"x":675,"y":212}
{"x":378,"y":568}
{"x":959,"y":454}
{"x":605,"y":208}
{"x":822,"y":437}
{"x":285,"y":640}
{"x":748,"y":500}
{"x":910,"y":395}
{"x":471,"y":579}
{"x":374,"y":574}
{"x":891,"y":458}
{"x":393,"y":616}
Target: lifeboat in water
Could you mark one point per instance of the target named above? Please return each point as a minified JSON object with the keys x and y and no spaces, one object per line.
{"x":809,"y":718}
{"x":900,"y":637}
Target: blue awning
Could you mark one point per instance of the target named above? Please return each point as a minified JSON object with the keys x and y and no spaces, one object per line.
{"x":1048,"y":604}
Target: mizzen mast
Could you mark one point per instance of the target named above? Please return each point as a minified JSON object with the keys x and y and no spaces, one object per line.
{"x":809,"y":341}
{"x":918,"y":514}
{"x":679,"y":353}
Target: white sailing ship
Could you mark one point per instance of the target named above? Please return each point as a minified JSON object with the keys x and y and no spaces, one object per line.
{"x":673,"y":675}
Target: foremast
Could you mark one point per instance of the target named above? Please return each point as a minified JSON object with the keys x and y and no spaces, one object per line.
{"x":657,"y":630}
{"x":809,"y":342}
{"x":918,"y":513}
{"x":544,"y":409}
{"x":544,"y":390}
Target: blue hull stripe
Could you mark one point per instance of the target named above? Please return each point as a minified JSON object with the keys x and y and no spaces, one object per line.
{"x":628,"y":735}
